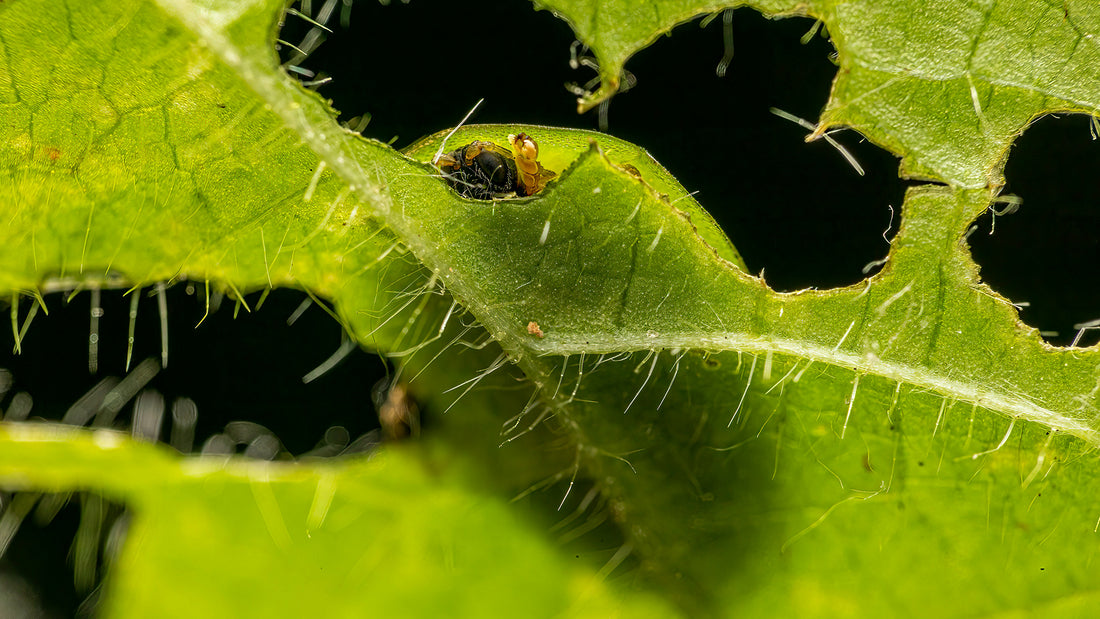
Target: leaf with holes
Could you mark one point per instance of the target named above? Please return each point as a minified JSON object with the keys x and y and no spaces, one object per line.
{"x":902,"y":445}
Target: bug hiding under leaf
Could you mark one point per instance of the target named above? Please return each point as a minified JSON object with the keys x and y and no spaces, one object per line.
{"x":484,"y":170}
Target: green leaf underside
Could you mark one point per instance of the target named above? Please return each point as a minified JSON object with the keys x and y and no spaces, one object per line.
{"x":769,"y":441}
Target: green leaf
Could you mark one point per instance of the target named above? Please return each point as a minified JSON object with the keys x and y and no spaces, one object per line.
{"x":900,"y":444}
{"x":225,"y":537}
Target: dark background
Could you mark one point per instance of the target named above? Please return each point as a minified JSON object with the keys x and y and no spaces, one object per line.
{"x":797,"y":212}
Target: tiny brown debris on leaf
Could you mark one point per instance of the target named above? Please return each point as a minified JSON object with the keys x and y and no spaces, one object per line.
{"x":533,"y":329}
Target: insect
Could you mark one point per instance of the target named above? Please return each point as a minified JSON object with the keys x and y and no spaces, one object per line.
{"x":484,"y":170}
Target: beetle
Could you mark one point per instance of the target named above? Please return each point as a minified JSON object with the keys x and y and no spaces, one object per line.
{"x":480,"y":170}
{"x":484,"y":170}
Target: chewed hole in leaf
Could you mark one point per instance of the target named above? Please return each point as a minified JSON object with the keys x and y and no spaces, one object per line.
{"x":1039,"y":247}
{"x":252,"y":366}
{"x":796,"y":211}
